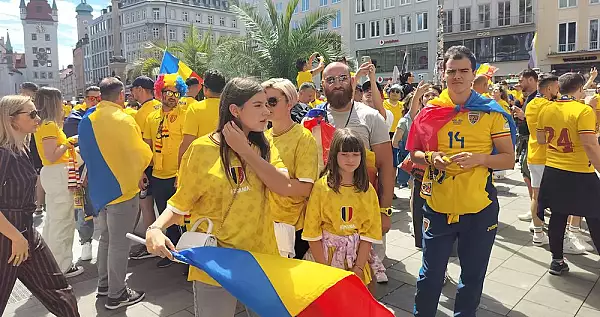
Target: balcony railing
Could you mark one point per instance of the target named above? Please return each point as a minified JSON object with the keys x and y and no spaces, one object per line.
{"x":495,"y":22}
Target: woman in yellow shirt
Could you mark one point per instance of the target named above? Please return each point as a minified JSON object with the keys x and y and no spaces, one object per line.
{"x":52,"y":146}
{"x":224,"y":176}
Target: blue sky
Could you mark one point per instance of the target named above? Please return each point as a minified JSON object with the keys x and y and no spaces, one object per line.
{"x":67,"y":26}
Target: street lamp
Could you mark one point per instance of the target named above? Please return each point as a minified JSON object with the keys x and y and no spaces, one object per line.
{"x":439,"y":62}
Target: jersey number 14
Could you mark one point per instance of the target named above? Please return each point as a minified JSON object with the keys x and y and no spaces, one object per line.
{"x":455,"y":137}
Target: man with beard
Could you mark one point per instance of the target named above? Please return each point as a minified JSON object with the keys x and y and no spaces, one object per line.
{"x":366,"y":122}
{"x":164,"y":132}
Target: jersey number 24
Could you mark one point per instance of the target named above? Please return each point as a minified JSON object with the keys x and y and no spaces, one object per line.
{"x":564,"y":139}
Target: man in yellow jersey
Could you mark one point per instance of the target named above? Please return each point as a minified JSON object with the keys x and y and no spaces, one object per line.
{"x":202,"y":117}
{"x":395,"y":106}
{"x":461,"y":200}
{"x":481,"y":84}
{"x":163,"y":133}
{"x":194,"y":88}
{"x":112,"y":147}
{"x":536,"y":154}
{"x":305,"y":70}
{"x":142,"y":91}
{"x":570,"y":185}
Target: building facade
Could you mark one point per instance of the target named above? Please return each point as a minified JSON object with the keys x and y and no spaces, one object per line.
{"x":570,"y":36}
{"x":499,"y":32}
{"x":40,"y":30}
{"x":11,"y":68}
{"x":170,"y":21}
{"x":393,"y":33}
{"x":100,"y":48}
{"x":67,"y":83}
{"x":84,"y":21}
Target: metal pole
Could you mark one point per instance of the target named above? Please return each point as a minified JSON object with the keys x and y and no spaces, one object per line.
{"x":438,"y":69}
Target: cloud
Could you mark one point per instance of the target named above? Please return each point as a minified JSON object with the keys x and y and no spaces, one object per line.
{"x":10,"y":19}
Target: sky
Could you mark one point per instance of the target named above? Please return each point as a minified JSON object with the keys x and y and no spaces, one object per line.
{"x":10,"y":20}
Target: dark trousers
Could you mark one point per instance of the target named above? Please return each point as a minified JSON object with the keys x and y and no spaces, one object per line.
{"x":162,"y":190}
{"x":475,"y":234}
{"x":417,"y":202}
{"x":39,"y":273}
{"x":556,"y":233}
{"x":300,"y":246}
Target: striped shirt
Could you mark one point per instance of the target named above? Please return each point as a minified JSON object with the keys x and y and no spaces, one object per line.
{"x":17,"y":181}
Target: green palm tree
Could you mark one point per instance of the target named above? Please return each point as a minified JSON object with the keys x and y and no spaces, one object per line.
{"x":272,"y":46}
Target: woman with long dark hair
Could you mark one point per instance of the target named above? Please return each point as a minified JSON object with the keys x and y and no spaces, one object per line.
{"x":23,"y":252}
{"x":224,"y":176}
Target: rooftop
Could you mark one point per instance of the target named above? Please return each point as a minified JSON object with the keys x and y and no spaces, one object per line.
{"x":39,"y":10}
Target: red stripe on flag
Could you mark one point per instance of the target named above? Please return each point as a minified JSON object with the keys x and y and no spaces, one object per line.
{"x":197,"y":76}
{"x":348,"y":297}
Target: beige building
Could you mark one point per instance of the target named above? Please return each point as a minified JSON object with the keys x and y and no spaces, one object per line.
{"x":67,"y":83}
{"x":568,"y":35}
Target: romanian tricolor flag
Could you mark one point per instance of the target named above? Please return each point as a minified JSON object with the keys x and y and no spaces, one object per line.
{"x":112,"y":148}
{"x":273,"y":286}
{"x":439,"y":111}
{"x":172,"y":65}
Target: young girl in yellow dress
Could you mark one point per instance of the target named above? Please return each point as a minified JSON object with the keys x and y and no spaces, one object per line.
{"x":342,"y":217}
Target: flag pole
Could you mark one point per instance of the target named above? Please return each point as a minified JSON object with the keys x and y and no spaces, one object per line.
{"x":438,"y":68}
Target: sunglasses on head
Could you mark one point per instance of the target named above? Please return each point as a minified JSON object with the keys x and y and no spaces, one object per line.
{"x":94,"y":98}
{"x":273,"y":101}
{"x":32,"y":114}
{"x":169,"y":93}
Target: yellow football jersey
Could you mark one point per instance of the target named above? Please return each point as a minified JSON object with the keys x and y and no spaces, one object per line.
{"x":67,"y":109}
{"x":504,"y":105}
{"x":165,"y":143}
{"x":343,"y":214}
{"x":396,"y":111}
{"x":463,"y":191}
{"x":202,"y":117}
{"x":297,"y":150}
{"x":145,"y":109}
{"x":303,"y":77}
{"x":48,"y":130}
{"x":204,"y":190}
{"x":536,"y":153}
{"x":185,"y":102}
{"x":563,"y":121}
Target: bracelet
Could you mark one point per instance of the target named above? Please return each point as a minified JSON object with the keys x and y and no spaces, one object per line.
{"x":361,"y":268}
{"x":429,"y":157}
{"x":152,"y":227}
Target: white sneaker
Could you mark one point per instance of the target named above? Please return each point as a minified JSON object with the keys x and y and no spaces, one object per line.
{"x":381,"y":277}
{"x":525,"y":217}
{"x":411,"y":229}
{"x":73,"y":271}
{"x":579,"y":239}
{"x":572,"y":246}
{"x":86,"y":251}
{"x":541,"y":240}
{"x":499,"y":175}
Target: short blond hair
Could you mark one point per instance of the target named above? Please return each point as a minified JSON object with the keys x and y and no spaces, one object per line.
{"x":9,"y":106}
{"x":285,"y":86}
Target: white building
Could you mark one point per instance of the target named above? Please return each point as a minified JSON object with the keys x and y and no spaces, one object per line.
{"x":12,"y":67}
{"x":169,"y":22}
{"x":100,"y":49}
{"x":40,"y":29}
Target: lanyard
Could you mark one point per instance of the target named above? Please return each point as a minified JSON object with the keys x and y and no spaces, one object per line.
{"x":349,"y":114}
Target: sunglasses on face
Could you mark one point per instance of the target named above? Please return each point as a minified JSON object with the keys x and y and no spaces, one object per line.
{"x":169,"y":93}
{"x":273,"y":101}
{"x":332,"y":79}
{"x":94,"y":98}
{"x":395,"y":91}
{"x":32,"y":114}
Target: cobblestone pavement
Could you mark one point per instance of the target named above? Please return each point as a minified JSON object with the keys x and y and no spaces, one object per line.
{"x":517,"y":284}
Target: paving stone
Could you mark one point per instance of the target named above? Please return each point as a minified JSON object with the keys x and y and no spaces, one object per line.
{"x":567,"y":283}
{"x":587,"y":312}
{"x":552,"y":298}
{"x":513,"y":278}
{"x":527,"y":308}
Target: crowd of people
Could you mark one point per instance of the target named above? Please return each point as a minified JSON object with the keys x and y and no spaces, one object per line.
{"x":243,"y":165}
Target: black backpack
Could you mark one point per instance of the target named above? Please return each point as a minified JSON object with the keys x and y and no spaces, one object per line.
{"x":299,"y":111}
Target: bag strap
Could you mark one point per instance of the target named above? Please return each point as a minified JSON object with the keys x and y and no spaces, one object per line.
{"x":237,"y":189}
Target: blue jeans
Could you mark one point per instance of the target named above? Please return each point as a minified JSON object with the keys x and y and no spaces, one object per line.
{"x":85,"y":227}
{"x":475,"y":234}
{"x":399,"y":156}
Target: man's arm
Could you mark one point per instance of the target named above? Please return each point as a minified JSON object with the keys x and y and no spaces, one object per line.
{"x":592,"y":148}
{"x":387,"y":176}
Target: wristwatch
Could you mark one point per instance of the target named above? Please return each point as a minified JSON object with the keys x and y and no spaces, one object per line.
{"x":387,"y":211}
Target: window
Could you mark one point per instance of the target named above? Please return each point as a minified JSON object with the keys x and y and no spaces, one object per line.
{"x":594,"y":1}
{"x":448,"y":21}
{"x":525,"y":11}
{"x":172,"y":34}
{"x":155,"y":33}
{"x":594,"y":34}
{"x":50,"y":75}
{"x":375,"y":5}
{"x":127,"y":18}
{"x":360,"y":6}
{"x":35,"y":75}
{"x":210,"y":19}
{"x":33,"y":37}
{"x":484,"y":15}
{"x":138,"y":15}
{"x":222,"y":21}
{"x":567,"y":3}
{"x":35,"y":63}
{"x":156,"y":13}
{"x":49,"y":63}
{"x":566,"y":36}
{"x":388,"y":3}
{"x":465,"y":19}
{"x":389,"y":25}
{"x":374,"y":28}
{"x":305,"y":5}
{"x":172,"y":15}
{"x":34,"y":50}
{"x":198,"y":18}
{"x":405,"y":24}
{"x":47,"y":36}
{"x":294,"y":24}
{"x":185,"y":34}
{"x":504,"y":13}
{"x":139,"y":37}
{"x":48,"y":51}
{"x":144,"y":15}
{"x":389,"y":56}
{"x":422,"y":23}
{"x":184,"y":16}
{"x":337,"y":22}
{"x":145,"y":35}
{"x":335,"y":1}
{"x":323,"y":27}
{"x":43,"y":75}
{"x":403,"y":2}
{"x":234,"y":23}
{"x":323,"y":3}
{"x":360,"y":31}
